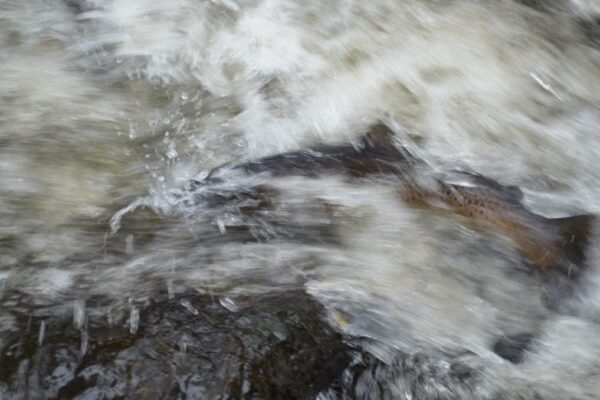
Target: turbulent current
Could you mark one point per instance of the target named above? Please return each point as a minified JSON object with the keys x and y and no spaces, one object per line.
{"x":115,"y":283}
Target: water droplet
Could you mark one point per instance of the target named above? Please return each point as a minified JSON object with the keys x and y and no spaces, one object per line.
{"x":134,"y":319}
{"x":171,"y":152}
{"x":84,"y":341}
{"x":182,"y":345}
{"x":229,"y":304}
{"x":129,"y":244}
{"x":170,"y":292}
{"x":188,"y":306}
{"x":42,"y":333}
{"x":280,"y":333}
{"x":221,"y":226}
{"x":78,"y":313}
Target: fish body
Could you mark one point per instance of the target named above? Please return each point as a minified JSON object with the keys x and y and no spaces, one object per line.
{"x":374,"y":154}
{"x":546,"y":243}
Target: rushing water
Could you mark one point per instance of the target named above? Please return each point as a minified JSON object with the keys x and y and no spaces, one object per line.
{"x":109,"y":108}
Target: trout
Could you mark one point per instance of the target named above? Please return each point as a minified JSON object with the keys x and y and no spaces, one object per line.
{"x":558,"y":243}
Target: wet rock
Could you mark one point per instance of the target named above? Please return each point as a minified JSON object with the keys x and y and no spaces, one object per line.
{"x":406,"y":376}
{"x":272,"y":347}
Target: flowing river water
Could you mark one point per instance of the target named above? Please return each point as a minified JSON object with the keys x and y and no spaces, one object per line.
{"x":112,"y":286}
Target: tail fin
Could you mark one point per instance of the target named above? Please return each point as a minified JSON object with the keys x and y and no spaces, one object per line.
{"x":574,"y":238}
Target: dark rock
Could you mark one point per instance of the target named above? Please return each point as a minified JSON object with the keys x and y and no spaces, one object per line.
{"x":413,"y":376}
{"x":273,"y":347}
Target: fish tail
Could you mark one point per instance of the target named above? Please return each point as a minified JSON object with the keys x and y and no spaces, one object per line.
{"x":574,"y":238}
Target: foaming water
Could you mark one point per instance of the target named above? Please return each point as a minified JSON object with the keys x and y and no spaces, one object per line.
{"x":109,"y":108}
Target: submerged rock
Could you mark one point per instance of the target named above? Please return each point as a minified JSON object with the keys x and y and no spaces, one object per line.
{"x":274,"y":346}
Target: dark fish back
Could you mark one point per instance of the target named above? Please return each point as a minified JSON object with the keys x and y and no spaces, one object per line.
{"x":304,"y":162}
{"x":361,"y":160}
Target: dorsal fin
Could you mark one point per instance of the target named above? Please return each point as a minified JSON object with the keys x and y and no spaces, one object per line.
{"x":515,"y":192}
{"x":379,"y":140}
{"x":379,"y":135}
